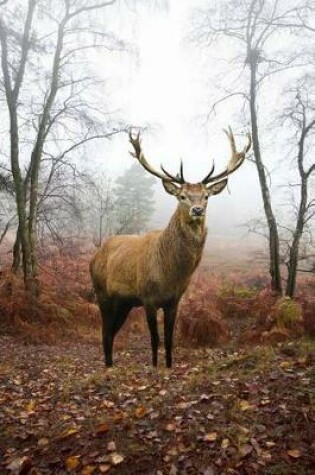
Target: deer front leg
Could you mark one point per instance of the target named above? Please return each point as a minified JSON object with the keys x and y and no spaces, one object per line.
{"x":170,"y":312}
{"x":155,"y":340}
{"x":108,"y":340}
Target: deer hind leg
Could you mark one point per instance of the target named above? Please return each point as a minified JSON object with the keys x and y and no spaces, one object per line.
{"x":155,"y":340}
{"x":170,"y":312}
{"x":114,"y":314}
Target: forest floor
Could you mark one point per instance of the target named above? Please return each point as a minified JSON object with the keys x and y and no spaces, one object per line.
{"x":218,"y":411}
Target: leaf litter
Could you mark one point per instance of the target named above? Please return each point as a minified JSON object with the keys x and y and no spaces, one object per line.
{"x":61,"y":411}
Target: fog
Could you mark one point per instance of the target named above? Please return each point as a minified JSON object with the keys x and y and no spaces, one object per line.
{"x":160,"y":73}
{"x":169,"y":83}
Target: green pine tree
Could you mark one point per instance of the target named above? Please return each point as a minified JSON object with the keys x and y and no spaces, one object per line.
{"x":134,"y":202}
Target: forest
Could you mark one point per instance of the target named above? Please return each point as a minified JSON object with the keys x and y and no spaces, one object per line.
{"x":157,"y":226}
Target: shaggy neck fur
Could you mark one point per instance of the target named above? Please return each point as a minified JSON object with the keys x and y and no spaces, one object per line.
{"x":182,"y":242}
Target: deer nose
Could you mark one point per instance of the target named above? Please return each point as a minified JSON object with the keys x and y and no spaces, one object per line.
{"x":197,"y":210}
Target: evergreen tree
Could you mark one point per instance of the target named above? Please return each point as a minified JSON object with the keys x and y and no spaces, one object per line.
{"x":134,"y":202}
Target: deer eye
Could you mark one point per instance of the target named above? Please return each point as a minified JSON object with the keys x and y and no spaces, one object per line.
{"x":182,"y":197}
{"x":206,"y":197}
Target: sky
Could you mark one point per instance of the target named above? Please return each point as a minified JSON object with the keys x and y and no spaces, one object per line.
{"x":165,"y":86}
{"x":167,"y":82}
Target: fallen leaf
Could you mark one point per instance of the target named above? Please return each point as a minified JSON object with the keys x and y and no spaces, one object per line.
{"x":245,"y":405}
{"x":245,"y":450}
{"x":30,"y":406}
{"x":68,"y":433}
{"x":225,"y":443}
{"x":270,"y":443}
{"x":294,"y":453}
{"x":104,"y":468}
{"x":88,"y":469}
{"x":72,"y":462}
{"x":285,"y":364}
{"x":210,"y":437}
{"x":116,"y":458}
{"x":111,"y":446}
{"x":141,"y":411}
{"x":42,"y":442}
{"x":101,"y":428}
{"x":173,"y":470}
{"x":204,"y":397}
{"x":170,"y":427}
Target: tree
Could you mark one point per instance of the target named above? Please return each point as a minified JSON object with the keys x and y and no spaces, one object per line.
{"x":7,"y":216}
{"x":133,"y":201}
{"x":254,"y":25}
{"x":99,"y":211}
{"x":50,"y":110}
{"x":301,"y":114}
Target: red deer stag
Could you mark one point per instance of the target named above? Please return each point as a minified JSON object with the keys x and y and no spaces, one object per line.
{"x":153,"y":270}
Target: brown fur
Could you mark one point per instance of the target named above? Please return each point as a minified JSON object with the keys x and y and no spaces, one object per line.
{"x":152,"y":270}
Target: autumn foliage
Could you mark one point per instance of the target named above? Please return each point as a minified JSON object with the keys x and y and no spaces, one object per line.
{"x":215,"y":310}
{"x":61,"y":311}
{"x":200,"y":320}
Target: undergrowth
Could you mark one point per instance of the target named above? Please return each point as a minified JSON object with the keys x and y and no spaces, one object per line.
{"x":216,"y":309}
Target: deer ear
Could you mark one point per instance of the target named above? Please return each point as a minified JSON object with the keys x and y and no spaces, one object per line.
{"x":171,"y":188}
{"x":217,"y":187}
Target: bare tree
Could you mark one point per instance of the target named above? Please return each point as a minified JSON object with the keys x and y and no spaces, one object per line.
{"x":50,"y":111}
{"x":99,"y":210}
{"x":7,"y":216}
{"x":253,"y":25}
{"x":301,"y":114}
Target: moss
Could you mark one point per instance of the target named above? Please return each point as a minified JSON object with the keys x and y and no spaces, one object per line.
{"x":288,"y":313}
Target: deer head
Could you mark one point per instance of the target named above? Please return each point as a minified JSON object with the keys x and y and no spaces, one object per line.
{"x":193,"y":197}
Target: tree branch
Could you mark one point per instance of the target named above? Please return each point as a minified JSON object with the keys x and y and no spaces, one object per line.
{"x":90,"y":8}
{"x":25,"y":49}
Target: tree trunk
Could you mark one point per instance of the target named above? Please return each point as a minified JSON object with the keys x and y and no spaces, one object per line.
{"x":295,"y":246}
{"x":20,"y":202}
{"x":16,"y":253}
{"x":274,"y":254}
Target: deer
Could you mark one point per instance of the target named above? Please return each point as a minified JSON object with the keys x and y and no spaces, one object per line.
{"x":153,"y":270}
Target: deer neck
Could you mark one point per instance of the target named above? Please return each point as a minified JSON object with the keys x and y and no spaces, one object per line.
{"x":182,"y":242}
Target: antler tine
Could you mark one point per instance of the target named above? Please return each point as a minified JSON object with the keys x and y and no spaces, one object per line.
{"x":176,"y":179}
{"x":206,"y":178}
{"x":235,"y":162}
{"x":181,"y":171}
{"x":138,"y":154}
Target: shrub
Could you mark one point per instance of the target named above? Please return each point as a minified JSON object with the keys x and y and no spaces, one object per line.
{"x":288,"y":313}
{"x":200,"y":321}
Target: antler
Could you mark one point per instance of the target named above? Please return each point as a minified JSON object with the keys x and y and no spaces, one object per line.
{"x":164,"y":175}
{"x":235,"y":162}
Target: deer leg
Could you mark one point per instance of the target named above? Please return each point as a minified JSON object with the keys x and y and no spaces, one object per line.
{"x":114,"y":315}
{"x":169,"y":321}
{"x":108,"y":340}
{"x":121,"y":314}
{"x":155,"y":340}
{"x":107,"y":331}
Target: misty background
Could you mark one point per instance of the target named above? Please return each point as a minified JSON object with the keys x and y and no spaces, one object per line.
{"x":155,"y":66}
{"x":170,"y":82}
